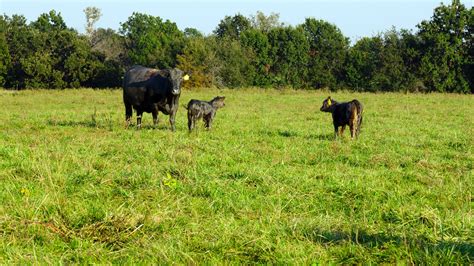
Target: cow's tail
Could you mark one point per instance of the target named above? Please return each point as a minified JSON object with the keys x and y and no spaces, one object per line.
{"x":184,"y":106}
{"x":359,"y":109}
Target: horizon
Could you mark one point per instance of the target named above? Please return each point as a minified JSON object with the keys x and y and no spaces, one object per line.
{"x":356,"y":19}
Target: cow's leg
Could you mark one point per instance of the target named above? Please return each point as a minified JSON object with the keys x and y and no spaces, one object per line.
{"x":172,"y":120}
{"x":139,"y":117}
{"x":128,"y":114}
{"x":335,"y":131}
{"x":154,"y":113}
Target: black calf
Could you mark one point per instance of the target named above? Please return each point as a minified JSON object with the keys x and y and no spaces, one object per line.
{"x":349,"y":113}
{"x":201,"y":109}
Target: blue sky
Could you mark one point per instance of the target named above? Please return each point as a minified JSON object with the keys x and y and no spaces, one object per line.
{"x":354,"y":17}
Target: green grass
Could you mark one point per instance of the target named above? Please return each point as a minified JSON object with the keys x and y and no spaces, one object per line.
{"x":268,"y":184}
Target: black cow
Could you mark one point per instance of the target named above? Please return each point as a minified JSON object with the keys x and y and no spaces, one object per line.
{"x":349,"y":113}
{"x":152,"y":90}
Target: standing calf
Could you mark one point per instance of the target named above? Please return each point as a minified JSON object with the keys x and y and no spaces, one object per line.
{"x":349,"y":113}
{"x":202,"y":109}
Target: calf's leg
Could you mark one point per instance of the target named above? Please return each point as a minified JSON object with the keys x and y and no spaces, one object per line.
{"x":342,"y":130}
{"x":353,"y":126}
{"x":335,"y":131}
{"x":190,"y":121}
{"x":208,"y":121}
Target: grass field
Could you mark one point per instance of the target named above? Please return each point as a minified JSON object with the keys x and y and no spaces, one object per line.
{"x":268,"y":184}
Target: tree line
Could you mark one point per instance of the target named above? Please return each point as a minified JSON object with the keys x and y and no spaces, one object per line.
{"x":242,"y":51}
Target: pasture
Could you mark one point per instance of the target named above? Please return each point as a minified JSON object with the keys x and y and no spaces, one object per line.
{"x":268,"y":184}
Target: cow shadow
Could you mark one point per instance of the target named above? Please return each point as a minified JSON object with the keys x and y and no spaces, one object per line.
{"x":320,"y":136}
{"x":290,"y":134}
{"x":104,"y":125}
{"x":81,"y":123}
{"x":361,"y":237}
{"x":72,"y":123}
{"x":279,"y":133}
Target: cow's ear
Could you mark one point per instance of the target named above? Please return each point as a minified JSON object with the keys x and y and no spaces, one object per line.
{"x":186,"y":77}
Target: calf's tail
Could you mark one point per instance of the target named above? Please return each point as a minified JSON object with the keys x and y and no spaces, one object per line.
{"x":359,"y":109}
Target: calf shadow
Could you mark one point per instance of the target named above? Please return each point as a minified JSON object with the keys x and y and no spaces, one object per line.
{"x":280,"y":133}
{"x":320,"y":136}
{"x":290,"y":134}
{"x":287,"y":133}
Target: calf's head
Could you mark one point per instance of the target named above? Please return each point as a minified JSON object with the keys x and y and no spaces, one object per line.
{"x":218,"y":102}
{"x":327,"y":104}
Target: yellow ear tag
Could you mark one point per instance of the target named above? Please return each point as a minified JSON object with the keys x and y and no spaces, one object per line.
{"x":186,"y":77}
{"x":329,"y":102}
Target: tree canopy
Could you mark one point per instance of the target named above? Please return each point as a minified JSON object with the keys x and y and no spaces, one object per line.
{"x":258,"y":50}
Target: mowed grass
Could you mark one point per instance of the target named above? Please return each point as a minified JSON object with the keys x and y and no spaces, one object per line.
{"x":268,"y":184}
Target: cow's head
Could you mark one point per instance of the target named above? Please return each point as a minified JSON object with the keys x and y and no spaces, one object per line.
{"x":176,"y":78}
{"x":327,"y":105}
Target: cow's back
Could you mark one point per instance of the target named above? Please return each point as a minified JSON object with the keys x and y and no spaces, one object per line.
{"x":139,"y":74}
{"x":135,"y":84}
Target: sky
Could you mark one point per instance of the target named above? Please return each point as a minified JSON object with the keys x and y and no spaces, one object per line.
{"x":355,"y":18}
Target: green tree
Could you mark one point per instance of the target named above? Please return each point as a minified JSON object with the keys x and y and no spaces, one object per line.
{"x":327,"y":52}
{"x":21,"y":43}
{"x":391,"y":74}
{"x":363,"y":62}
{"x":232,"y":27}
{"x":469,"y":47}
{"x":257,"y":41}
{"x":289,"y":52}
{"x":411,"y":53}
{"x":67,"y":53}
{"x":49,"y":21}
{"x":192,"y":33}
{"x":152,"y":42}
{"x":5,"y":62}
{"x":235,"y":68}
{"x":40,"y":72}
{"x":445,"y":52}
{"x":200,"y":59}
